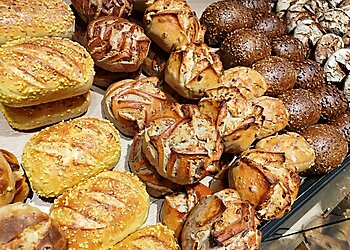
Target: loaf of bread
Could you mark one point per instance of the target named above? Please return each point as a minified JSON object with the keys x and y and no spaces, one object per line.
{"x":40,"y":70}
{"x":130,"y":104}
{"x":157,"y":237}
{"x":99,"y":213}
{"x":26,"y":227}
{"x":35,"y":18}
{"x":36,"y":116}
{"x":182,"y":144}
{"x":61,"y":156}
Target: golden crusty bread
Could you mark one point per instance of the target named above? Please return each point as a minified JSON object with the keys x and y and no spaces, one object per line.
{"x":61,"y":156}
{"x":45,"y":69}
{"x":31,"y":117}
{"x":35,"y":18}
{"x":99,"y":213}
{"x":26,"y":227}
{"x":157,"y":237}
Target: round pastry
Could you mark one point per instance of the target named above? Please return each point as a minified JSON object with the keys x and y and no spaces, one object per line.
{"x":192,"y":69}
{"x":182,"y":144}
{"x":243,"y":47}
{"x":63,"y":155}
{"x":308,"y":32}
{"x":278,"y":72}
{"x":13,"y":185}
{"x":223,"y":17}
{"x":130,"y":104}
{"x":102,"y":211}
{"x":258,"y":6}
{"x":236,"y":120}
{"x":303,"y":108}
{"x":177,"y":207}
{"x":298,"y":152}
{"x":295,"y":13}
{"x":90,"y":10}
{"x":26,"y":227}
{"x":335,"y":20}
{"x":156,"y":185}
{"x":275,"y":115}
{"x":270,"y":25}
{"x":337,"y":66}
{"x":221,"y":221}
{"x":155,"y":62}
{"x":156,"y":237}
{"x":326,"y":46}
{"x":332,"y":100}
{"x":262,"y":178}
{"x":250,"y":82}
{"x":104,"y":78}
{"x":288,"y":47}
{"x":116,"y":44}
{"x":171,"y":23}
{"x":310,"y":75}
{"x":342,"y":124}
{"x":330,"y":147}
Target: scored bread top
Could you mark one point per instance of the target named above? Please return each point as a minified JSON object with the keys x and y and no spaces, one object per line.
{"x":61,"y":156}
{"x":102,"y":211}
{"x":40,"y":70}
{"x":35,"y":18}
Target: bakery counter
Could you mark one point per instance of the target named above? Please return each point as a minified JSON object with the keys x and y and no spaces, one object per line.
{"x":318,"y":196}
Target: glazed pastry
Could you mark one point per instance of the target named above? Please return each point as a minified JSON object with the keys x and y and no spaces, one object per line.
{"x":310,"y":75}
{"x":130,"y":104}
{"x":270,"y":25}
{"x":342,"y":124}
{"x":192,"y":69}
{"x":288,"y":47}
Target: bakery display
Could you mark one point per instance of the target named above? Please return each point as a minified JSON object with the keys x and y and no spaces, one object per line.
{"x":310,"y":75}
{"x":116,"y":44}
{"x":279,"y":73}
{"x":288,"y":47}
{"x":151,"y":237}
{"x":177,"y":14}
{"x":342,"y":124}
{"x":270,"y":25}
{"x":303,"y":107}
{"x":35,"y":18}
{"x":102,"y":211}
{"x":90,"y":10}
{"x":221,"y":220}
{"x":298,"y":153}
{"x":61,"y":156}
{"x":237,"y":121}
{"x":243,"y":47}
{"x":43,"y":70}
{"x":192,"y":69}
{"x":330,"y":147}
{"x":261,"y":178}
{"x":26,"y":227}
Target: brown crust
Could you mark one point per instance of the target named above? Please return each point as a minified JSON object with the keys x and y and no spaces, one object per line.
{"x":288,"y":47}
{"x":342,"y":124}
{"x":310,"y":75}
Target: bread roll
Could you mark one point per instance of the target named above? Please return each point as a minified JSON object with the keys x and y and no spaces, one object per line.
{"x":157,"y":186}
{"x":130,"y":104}
{"x":192,"y":69}
{"x":176,"y":207}
{"x":39,"y":70}
{"x":221,"y":221}
{"x":262,"y":178}
{"x":13,"y":185}
{"x":171,"y":23}
{"x":35,"y":18}
{"x":61,"y":156}
{"x":90,"y":10}
{"x":116,"y":44}
{"x":26,"y":227}
{"x":249,"y":81}
{"x":182,"y":144}
{"x":40,"y":115}
{"x":298,"y":152}
{"x":156,"y":237}
{"x":100,"y":212}
{"x":237,"y":121}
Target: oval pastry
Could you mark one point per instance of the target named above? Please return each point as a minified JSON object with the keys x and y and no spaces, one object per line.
{"x":102,"y":211}
{"x":61,"y":156}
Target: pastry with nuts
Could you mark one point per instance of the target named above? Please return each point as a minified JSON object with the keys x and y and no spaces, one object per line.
{"x":270,"y":25}
{"x":310,"y":75}
{"x":288,"y":47}
{"x":342,"y":124}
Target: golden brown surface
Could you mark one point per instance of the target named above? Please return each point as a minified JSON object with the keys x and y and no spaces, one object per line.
{"x":31,"y":117}
{"x":102,"y":211}
{"x":35,"y":18}
{"x":40,"y":70}
{"x":61,"y":156}
{"x":26,"y":227}
{"x":157,"y":237}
